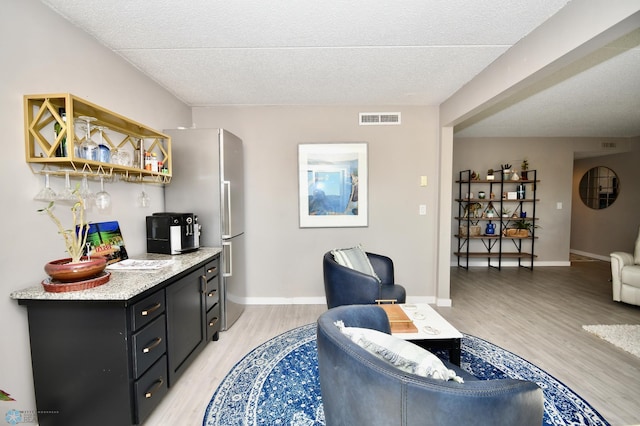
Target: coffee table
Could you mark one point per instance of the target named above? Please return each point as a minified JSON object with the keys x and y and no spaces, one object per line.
{"x":434,"y":332}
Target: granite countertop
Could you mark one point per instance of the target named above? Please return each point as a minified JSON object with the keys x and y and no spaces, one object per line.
{"x":124,"y":285}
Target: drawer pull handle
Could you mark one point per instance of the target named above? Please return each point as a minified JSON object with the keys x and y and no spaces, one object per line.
{"x":212,"y":270}
{"x":151,"y":309}
{"x":156,"y":342}
{"x":213,"y":321}
{"x":156,"y":386}
{"x":212,"y":293}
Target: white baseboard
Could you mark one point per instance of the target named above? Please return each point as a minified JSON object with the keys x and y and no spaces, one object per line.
{"x":285,"y":301}
{"x":322,"y":301}
{"x":445,"y":303}
{"x":593,"y":255}
{"x":421,"y":299}
{"x":511,"y":264}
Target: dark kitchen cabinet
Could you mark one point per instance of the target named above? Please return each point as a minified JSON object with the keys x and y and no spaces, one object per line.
{"x":193,"y":313}
{"x":185,"y":323}
{"x":110,"y":362}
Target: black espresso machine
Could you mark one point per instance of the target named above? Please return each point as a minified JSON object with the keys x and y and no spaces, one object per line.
{"x":172,"y":233}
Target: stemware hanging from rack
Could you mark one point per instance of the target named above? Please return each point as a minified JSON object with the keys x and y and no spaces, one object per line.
{"x":143,"y":198}
{"x":85,"y":191}
{"x":103,"y":198}
{"x":46,"y":193}
{"x":67,"y":193}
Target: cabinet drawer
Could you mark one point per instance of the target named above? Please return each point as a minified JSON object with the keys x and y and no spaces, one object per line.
{"x":144,"y":311}
{"x":211,"y":293}
{"x":150,"y":389}
{"x":212,"y":268}
{"x":148,"y":345}
{"x":213,"y":322}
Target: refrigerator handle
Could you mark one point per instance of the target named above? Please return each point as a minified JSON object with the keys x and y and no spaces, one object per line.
{"x":226,"y":222}
{"x":227,"y":257}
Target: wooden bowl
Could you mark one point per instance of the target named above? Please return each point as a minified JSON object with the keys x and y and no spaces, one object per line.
{"x":62,"y":270}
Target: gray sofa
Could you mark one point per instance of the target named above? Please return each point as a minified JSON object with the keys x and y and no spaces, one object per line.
{"x":359,"y":388}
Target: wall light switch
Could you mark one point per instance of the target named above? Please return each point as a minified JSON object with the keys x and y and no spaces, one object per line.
{"x":422,"y":210}
{"x":559,"y":205}
{"x":423,"y":181}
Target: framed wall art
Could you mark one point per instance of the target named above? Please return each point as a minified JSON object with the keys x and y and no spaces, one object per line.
{"x":332,"y":179}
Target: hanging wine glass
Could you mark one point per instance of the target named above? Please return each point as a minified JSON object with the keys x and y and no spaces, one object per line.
{"x":103,"y":198}
{"x":104,"y":153}
{"x":85,"y":191}
{"x":46,"y":193}
{"x":88,"y":147}
{"x":67,"y":193}
{"x":143,"y":198}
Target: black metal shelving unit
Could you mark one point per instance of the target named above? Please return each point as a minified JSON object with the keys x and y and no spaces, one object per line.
{"x":497,"y":245}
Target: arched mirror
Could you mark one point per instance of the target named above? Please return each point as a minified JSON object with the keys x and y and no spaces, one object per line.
{"x":599,"y":187}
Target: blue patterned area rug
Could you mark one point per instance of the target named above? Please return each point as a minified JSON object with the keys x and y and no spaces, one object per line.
{"x":277,"y":384}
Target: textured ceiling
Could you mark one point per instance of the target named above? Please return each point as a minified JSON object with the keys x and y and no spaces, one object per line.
{"x":338,"y":52}
{"x":597,"y":96}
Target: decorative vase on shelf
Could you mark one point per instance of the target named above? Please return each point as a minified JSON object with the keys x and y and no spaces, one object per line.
{"x":515,"y":176}
{"x":490,"y":229}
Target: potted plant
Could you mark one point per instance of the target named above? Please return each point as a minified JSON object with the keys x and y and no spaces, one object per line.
{"x":506,"y":171}
{"x":520,"y":228}
{"x":523,"y":169}
{"x":490,"y":174}
{"x":76,"y":267}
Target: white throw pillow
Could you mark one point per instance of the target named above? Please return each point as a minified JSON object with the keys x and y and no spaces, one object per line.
{"x":400,"y":353}
{"x":354,"y":258}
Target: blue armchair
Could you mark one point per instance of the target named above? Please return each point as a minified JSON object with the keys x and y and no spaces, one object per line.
{"x":359,"y":388}
{"x":346,"y":286}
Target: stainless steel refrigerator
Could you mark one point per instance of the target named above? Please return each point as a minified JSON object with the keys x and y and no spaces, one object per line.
{"x":208,"y":180}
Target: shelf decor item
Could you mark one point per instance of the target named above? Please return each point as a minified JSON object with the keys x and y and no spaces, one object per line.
{"x":524,"y":167}
{"x":490,"y":175}
{"x":471,"y":231}
{"x":520,"y":228}
{"x":506,"y":171}
{"x":490,"y":229}
{"x":77,"y":267}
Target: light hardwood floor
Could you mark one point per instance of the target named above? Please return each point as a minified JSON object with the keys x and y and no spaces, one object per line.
{"x":536,"y":314}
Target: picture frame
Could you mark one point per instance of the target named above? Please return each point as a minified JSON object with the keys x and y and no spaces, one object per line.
{"x":332,"y":182}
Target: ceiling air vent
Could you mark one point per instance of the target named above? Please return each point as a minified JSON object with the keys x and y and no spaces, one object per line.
{"x":379,"y":118}
{"x":608,"y":145}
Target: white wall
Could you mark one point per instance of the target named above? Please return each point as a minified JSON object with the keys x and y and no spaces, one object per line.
{"x":600,"y":232}
{"x":285,"y":261}
{"x":41,"y":53}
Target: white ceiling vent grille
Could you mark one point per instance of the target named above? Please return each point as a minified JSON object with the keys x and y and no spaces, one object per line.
{"x":609,"y":145}
{"x":379,"y":118}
